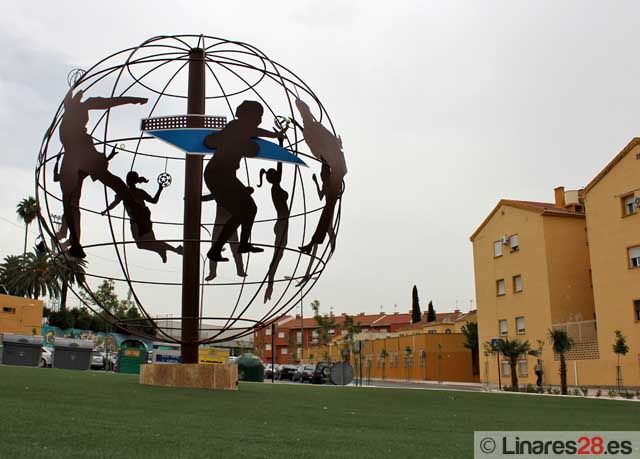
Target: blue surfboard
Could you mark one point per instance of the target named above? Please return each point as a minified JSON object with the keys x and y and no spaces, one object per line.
{"x":191,"y":141}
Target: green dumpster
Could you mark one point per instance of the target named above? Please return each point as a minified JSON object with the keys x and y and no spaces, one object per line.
{"x":133,"y":353}
{"x":250,"y":368}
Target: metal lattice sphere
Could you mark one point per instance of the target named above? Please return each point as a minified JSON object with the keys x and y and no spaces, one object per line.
{"x":107,"y":141}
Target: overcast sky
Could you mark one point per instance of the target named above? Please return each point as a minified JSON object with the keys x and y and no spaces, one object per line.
{"x":443,"y":108}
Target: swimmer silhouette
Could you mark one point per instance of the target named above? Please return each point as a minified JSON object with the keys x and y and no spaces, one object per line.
{"x":233,"y":143}
{"x":327,"y":148}
{"x":146,"y":240}
{"x":281,"y":228}
{"x":222,"y":216}
{"x":82,"y":160}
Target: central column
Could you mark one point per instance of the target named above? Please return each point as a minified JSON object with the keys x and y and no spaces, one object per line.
{"x":192,"y":211}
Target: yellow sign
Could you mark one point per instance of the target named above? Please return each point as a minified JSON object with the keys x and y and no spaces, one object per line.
{"x":212,"y":355}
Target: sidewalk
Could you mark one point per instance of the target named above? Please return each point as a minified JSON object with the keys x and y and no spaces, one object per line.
{"x":403,"y":383}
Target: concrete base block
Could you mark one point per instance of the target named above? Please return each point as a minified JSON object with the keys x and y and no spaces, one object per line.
{"x":217,"y":376}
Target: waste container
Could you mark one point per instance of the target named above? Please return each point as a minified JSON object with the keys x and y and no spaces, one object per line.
{"x":133,"y":353}
{"x":23,"y":350}
{"x":72,"y":354}
{"x":250,"y":368}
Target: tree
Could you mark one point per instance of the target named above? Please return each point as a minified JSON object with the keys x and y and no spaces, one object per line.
{"x":293,"y":349}
{"x":416,"y":314}
{"x":27,"y":211}
{"x":513,"y":350}
{"x":383,"y":357}
{"x":470,"y":332}
{"x":561,"y":344}
{"x":69,"y":271}
{"x":351,"y":329}
{"x":325,"y":324}
{"x":620,"y":347}
{"x":31,"y":274}
{"x":431,"y":313}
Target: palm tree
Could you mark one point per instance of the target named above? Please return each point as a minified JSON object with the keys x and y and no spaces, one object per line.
{"x":69,"y":271}
{"x":513,"y":350}
{"x":27,"y":210}
{"x":561,"y":343}
{"x":34,"y":276}
{"x":470,"y":332}
{"x":10,"y":268}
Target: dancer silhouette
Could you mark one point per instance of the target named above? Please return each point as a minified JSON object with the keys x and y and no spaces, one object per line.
{"x":146,"y":240}
{"x":222,"y":216}
{"x":82,"y":160}
{"x":327,"y":148}
{"x":281,"y":228}
{"x":233,"y":143}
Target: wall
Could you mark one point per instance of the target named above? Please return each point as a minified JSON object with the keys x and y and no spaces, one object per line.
{"x":615,"y":284}
{"x":20,"y":315}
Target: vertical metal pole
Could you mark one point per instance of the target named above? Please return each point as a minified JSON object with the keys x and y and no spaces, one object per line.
{"x":301,"y":327}
{"x":191,"y":231}
{"x":499,"y":375}
{"x":273,"y":352}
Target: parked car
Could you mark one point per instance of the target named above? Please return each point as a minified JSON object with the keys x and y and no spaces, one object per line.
{"x":98,"y":359}
{"x":46,"y":358}
{"x":304,"y":373}
{"x":287,"y":372}
{"x":321,"y":373}
{"x":271,"y":370}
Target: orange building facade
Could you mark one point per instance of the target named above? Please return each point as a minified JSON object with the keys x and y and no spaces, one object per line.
{"x":20,"y":315}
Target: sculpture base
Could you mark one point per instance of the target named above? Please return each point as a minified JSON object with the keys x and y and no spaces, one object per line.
{"x":217,"y":376}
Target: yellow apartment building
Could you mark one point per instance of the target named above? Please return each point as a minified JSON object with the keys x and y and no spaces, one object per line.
{"x":531,"y":265}
{"x":20,"y":315}
{"x":612,"y":201}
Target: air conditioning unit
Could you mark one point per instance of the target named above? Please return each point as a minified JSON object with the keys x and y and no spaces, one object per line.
{"x":637,"y":201}
{"x":505,"y":240}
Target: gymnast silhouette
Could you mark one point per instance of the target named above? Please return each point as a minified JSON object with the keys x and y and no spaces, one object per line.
{"x":146,"y":240}
{"x":327,"y":148}
{"x":233,"y":143}
{"x":281,"y":228}
{"x":82,"y":160}
{"x":222,"y":216}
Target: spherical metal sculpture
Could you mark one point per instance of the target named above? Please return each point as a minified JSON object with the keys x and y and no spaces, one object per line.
{"x":128,"y":103}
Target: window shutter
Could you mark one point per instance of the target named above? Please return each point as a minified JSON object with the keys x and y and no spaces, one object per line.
{"x":514,"y":242}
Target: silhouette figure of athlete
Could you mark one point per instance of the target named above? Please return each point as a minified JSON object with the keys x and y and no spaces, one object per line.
{"x":144,"y":240}
{"x":82,"y":160}
{"x":222,"y":216}
{"x":327,"y":148}
{"x":281,"y":228}
{"x":233,"y":143}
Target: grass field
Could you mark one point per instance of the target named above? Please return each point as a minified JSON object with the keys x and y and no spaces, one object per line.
{"x":56,"y":413}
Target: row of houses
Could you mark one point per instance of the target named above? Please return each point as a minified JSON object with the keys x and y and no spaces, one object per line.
{"x":572,"y":263}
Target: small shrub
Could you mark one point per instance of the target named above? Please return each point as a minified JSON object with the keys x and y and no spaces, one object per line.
{"x":540,"y":390}
{"x":549,"y":390}
{"x":626,"y":394}
{"x":531,"y":389}
{"x":576,"y":392}
{"x":585,"y":390}
{"x":612,"y":393}
{"x":555,"y":391}
{"x":638,"y":393}
{"x":598,"y":393}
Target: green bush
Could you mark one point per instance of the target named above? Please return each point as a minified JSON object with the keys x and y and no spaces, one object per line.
{"x":555,"y":391}
{"x":585,"y":390}
{"x":598,"y":393}
{"x":575,"y":392}
{"x":531,"y":389}
{"x":612,"y":393}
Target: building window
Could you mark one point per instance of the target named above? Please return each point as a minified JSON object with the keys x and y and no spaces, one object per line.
{"x":500,"y":289}
{"x":299,"y":337}
{"x":284,"y":351}
{"x":520,"y":325}
{"x":448,"y":330}
{"x":514,"y":243}
{"x":423,"y":359}
{"x":268,"y":331}
{"x":280,"y":334}
{"x":517,"y":283}
{"x":629,"y":205}
{"x":267,"y":347}
{"x":497,"y":249}
{"x":9,"y":310}
{"x":383,"y":330}
{"x":504,"y":327}
{"x":634,"y":257}
{"x":636,"y":309}
{"x":432,"y":332}
{"x":523,"y":368}
{"x":506,"y":368}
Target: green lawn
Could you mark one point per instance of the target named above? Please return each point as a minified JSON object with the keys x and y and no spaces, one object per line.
{"x":56,"y":413}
